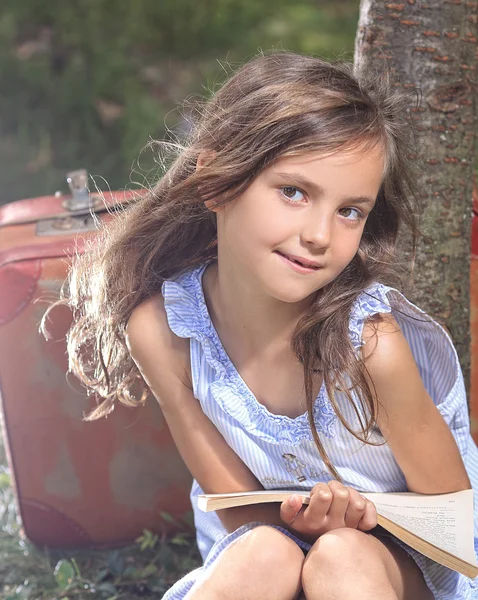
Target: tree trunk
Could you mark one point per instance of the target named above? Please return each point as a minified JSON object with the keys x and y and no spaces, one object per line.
{"x":432,"y":46}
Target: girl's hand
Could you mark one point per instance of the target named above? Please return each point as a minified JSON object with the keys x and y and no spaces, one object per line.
{"x":332,"y":505}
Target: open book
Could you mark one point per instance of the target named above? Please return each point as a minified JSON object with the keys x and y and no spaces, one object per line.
{"x":438,"y":526}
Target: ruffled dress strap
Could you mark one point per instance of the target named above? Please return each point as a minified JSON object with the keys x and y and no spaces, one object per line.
{"x":188,"y":316}
{"x":371,"y":301}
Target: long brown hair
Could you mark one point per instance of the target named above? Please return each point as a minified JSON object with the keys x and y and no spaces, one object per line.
{"x":274,"y":106}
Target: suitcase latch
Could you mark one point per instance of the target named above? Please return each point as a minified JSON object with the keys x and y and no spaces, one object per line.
{"x":80,"y":202}
{"x":80,"y":194}
{"x":64,"y":225}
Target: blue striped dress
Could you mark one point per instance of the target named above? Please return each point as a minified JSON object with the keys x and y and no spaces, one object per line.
{"x":280,"y":451}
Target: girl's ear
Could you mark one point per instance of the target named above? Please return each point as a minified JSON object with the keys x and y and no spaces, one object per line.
{"x":205,"y":157}
{"x":212,"y":206}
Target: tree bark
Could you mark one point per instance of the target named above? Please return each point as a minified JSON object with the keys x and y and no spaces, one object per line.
{"x":432,"y":46}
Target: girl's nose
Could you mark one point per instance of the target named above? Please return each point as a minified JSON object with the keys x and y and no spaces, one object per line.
{"x":317,"y":232}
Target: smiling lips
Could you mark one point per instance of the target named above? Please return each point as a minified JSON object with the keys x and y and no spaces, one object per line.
{"x":302,"y":261}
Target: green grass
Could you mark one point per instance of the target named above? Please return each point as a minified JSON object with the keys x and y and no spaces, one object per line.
{"x":145,"y":570}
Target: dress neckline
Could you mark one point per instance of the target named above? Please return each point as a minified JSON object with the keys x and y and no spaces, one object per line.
{"x":321,"y":398}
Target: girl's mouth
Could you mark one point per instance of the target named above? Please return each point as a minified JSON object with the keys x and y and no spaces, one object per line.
{"x":297,"y":265}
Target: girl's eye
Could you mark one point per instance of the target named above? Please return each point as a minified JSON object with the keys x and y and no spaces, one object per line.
{"x":292,"y":194}
{"x":351,"y":214}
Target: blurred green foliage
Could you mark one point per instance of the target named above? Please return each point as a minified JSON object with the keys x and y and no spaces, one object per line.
{"x":88,"y":83}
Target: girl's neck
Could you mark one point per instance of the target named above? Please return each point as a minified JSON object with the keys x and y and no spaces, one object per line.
{"x":259,"y":324}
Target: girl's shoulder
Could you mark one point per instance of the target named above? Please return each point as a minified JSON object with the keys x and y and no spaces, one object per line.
{"x":162,"y":358}
{"x":394,"y":307}
{"x":431,"y":345}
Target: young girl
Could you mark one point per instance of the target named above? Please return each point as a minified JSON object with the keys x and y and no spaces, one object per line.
{"x":251,"y":291}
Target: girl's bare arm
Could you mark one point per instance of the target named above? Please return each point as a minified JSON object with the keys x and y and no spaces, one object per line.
{"x":421,"y":441}
{"x":163,"y":360}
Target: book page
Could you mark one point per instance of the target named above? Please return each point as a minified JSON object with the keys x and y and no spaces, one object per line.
{"x":208,"y":502}
{"x":444,"y":520}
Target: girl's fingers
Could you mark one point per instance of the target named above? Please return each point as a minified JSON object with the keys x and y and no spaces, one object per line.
{"x":339,"y":504}
{"x":290,"y":508}
{"x":331,"y":506}
{"x":355,"y":510}
{"x":369,"y":519}
{"x":319,"y":505}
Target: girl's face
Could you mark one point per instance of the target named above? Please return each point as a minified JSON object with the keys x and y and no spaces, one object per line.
{"x":312,"y":208}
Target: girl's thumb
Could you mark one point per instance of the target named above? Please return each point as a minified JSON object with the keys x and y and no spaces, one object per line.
{"x":290,"y":508}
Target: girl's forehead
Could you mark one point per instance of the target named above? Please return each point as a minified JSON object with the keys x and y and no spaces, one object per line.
{"x":352,"y":172}
{"x":339,"y":158}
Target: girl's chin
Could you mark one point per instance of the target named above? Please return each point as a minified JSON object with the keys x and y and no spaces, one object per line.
{"x":294,"y":294}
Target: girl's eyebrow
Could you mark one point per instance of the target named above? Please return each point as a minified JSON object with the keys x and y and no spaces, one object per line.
{"x":300,"y":180}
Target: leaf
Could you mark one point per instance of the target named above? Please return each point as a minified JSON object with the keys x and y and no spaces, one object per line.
{"x":77,"y":569}
{"x":180,"y":539}
{"x":4,"y":481}
{"x":107,"y":587}
{"x":115,"y":563}
{"x":149,"y":570}
{"x":64,"y":574}
{"x":157,"y":585}
{"x":188,"y":518}
{"x":20,"y":593}
{"x":101,"y":575}
{"x":167,"y":517}
{"x":147,"y":541}
{"x":130,"y":571}
{"x":165,"y":557}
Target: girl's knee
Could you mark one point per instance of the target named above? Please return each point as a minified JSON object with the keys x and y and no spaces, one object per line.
{"x":343,"y":553}
{"x":262,"y":562}
{"x":268,"y":548}
{"x":340,"y":545}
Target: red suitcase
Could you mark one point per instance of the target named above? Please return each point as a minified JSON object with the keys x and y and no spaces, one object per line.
{"x":78,"y":484}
